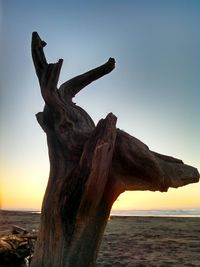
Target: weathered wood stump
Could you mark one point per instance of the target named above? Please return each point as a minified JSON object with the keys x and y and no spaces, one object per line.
{"x":89,"y":167}
{"x":16,"y":248}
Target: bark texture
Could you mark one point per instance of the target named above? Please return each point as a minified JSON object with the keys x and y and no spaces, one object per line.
{"x":89,"y":167}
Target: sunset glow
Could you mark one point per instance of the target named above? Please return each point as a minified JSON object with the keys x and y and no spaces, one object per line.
{"x":154,"y":90}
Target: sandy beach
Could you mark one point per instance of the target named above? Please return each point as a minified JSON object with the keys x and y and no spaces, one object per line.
{"x":134,"y":241}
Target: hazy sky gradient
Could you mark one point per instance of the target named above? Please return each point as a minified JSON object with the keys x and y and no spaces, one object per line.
{"x":154,"y":90}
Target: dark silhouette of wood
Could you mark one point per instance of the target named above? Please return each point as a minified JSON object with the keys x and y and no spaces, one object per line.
{"x":90,"y":166}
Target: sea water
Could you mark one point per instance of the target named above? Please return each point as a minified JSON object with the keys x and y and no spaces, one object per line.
{"x":158,"y":212}
{"x":146,"y":213}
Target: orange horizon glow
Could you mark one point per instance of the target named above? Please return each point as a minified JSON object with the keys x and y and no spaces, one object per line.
{"x":30,"y":196}
{"x":22,"y":186}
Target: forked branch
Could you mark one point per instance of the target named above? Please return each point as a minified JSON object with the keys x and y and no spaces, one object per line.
{"x":71,"y":87}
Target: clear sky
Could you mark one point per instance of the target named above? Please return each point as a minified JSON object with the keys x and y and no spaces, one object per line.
{"x":154,"y":90}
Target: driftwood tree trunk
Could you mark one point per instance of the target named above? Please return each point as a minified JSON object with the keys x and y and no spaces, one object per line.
{"x":89,"y":167}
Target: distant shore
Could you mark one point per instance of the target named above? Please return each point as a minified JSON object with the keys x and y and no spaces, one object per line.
{"x":134,"y":241}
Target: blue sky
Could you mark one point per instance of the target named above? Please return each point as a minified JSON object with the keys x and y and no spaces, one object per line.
{"x":154,"y":90}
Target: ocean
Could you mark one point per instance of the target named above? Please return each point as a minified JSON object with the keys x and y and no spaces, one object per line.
{"x":158,"y":212}
{"x":145,"y":213}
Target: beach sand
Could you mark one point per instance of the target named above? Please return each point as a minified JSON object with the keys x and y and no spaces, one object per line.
{"x":134,"y":241}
